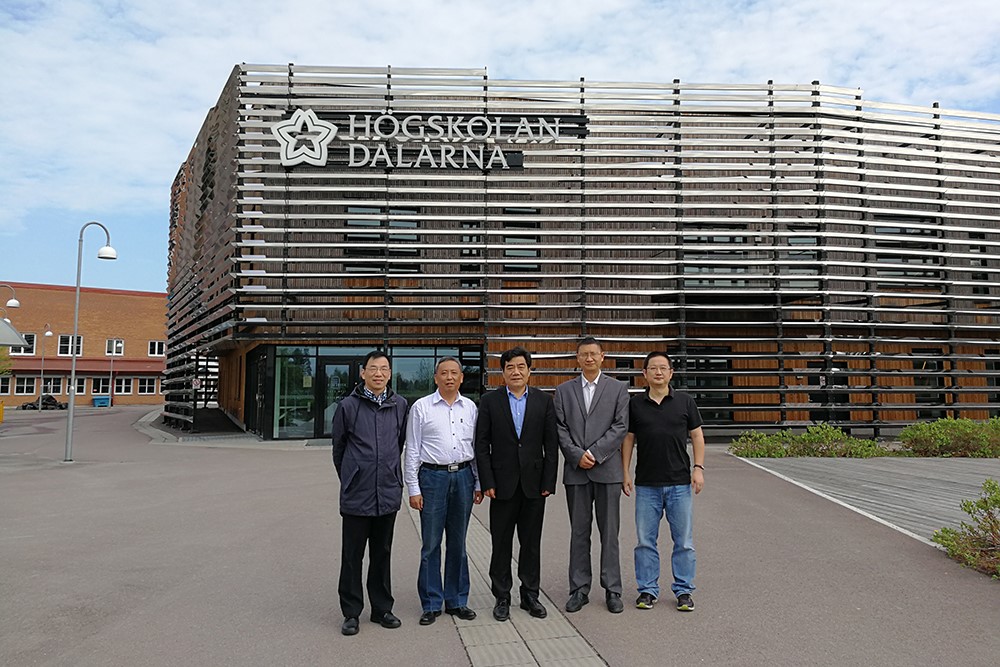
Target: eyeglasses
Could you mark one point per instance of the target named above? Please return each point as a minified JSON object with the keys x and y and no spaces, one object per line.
{"x":378,"y":369}
{"x":659,"y":369}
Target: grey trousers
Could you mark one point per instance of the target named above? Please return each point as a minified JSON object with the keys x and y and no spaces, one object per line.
{"x":582,"y":501}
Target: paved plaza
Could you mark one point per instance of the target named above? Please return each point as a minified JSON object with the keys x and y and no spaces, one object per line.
{"x":225,"y":551}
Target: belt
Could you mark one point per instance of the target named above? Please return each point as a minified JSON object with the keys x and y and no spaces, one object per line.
{"x":450,"y":467}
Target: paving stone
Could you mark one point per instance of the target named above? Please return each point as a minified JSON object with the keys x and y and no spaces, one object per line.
{"x":494,"y":633}
{"x":495,"y":655}
{"x":561,"y":648}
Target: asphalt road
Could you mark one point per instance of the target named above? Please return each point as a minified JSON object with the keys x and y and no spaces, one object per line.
{"x":227,"y":553}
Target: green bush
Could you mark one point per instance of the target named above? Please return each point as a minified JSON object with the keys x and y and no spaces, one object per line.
{"x":977,"y":545}
{"x":820,"y":440}
{"x":953,"y":437}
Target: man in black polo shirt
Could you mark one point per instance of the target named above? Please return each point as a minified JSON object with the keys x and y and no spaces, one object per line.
{"x":660,"y":422}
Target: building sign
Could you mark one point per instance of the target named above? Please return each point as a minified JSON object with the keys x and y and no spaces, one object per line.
{"x":435,"y":141}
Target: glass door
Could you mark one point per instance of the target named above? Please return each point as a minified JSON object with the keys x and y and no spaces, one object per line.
{"x":337,"y":378}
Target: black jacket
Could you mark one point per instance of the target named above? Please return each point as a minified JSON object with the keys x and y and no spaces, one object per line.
{"x":506,"y":461}
{"x":367,"y":444}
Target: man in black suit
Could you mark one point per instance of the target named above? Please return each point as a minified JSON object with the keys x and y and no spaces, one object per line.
{"x":516,"y":454}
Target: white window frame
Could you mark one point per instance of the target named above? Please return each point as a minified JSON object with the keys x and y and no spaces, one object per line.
{"x":5,"y":385}
{"x":123,"y":386}
{"x":81,"y":386}
{"x":97,"y":383}
{"x":49,"y":380}
{"x":139,"y":386}
{"x":20,"y":384}
{"x":65,"y":340}
{"x":32,"y":340}
{"x":114,"y":347}
{"x":156,"y":348}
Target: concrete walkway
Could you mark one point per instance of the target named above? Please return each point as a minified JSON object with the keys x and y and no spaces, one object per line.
{"x":227,"y":552}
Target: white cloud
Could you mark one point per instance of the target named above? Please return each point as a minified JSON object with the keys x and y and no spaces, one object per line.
{"x":102,"y":100}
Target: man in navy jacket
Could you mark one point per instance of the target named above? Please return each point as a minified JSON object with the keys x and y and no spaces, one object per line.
{"x":369,"y":428}
{"x":516,"y":454}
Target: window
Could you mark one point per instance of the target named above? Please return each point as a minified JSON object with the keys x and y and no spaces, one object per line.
{"x":123,"y":385}
{"x":146,"y":386}
{"x":398,"y":238}
{"x":64,"y":346}
{"x":992,"y":381}
{"x":519,"y":242}
{"x":114,"y":347}
{"x":929,"y":383}
{"x":24,"y":386}
{"x":100,"y":386}
{"x":364,"y":244}
{"x":24,"y":350}
{"x":4,"y":385}
{"x":470,"y":241}
{"x":157,"y":348}
{"x":52,"y":385}
{"x":81,"y":386}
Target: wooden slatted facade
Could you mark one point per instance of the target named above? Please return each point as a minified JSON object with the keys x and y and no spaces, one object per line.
{"x":806,"y":254}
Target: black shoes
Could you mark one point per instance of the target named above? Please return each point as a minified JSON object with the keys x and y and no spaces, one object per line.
{"x":576,"y":601}
{"x":645,"y":601}
{"x":533,"y":607}
{"x":501,"y":611}
{"x":463,"y":613}
{"x":429,"y":617}
{"x":614,"y":602}
{"x":387,"y":620}
{"x":685,"y":602}
{"x":350,"y":626}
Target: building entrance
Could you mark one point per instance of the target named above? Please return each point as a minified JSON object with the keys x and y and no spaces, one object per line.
{"x":308,"y":390}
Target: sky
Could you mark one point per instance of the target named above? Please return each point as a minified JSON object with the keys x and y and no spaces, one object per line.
{"x":101,"y":100}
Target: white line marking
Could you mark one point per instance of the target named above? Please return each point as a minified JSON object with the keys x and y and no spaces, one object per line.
{"x":826,"y":496}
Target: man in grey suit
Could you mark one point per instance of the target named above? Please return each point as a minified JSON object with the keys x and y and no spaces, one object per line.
{"x":592,"y":420}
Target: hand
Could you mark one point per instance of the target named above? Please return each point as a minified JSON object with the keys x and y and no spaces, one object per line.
{"x":490,"y":493}
{"x":627,"y":485}
{"x":587,"y":461}
{"x":477,"y":497}
{"x":546,"y":493}
{"x":417,"y":502}
{"x":698,"y":480}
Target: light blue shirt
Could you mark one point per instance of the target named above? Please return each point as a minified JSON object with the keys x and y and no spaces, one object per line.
{"x":517,"y":406}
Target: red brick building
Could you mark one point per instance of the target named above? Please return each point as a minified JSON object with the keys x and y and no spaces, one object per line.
{"x":122,"y":345}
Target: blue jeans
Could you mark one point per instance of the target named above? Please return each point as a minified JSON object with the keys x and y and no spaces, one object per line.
{"x":651,"y":503}
{"x":447,"y":508}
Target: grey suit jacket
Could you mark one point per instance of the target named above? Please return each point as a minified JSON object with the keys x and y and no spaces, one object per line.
{"x":601,"y":430}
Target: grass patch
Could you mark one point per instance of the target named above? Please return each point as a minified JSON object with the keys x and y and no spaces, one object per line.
{"x":819,"y":440}
{"x":977,"y":544}
{"x":953,"y":437}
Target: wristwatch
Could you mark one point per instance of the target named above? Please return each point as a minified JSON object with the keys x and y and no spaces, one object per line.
{"x":698,"y":465}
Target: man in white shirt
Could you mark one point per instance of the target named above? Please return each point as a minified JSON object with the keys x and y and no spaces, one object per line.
{"x":592,"y":420}
{"x":440,"y":474}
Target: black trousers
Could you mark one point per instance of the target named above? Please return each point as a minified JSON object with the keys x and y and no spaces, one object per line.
{"x":524,"y":515}
{"x":375,"y":532}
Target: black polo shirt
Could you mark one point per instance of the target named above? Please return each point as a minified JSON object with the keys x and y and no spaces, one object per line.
{"x":661,"y":434}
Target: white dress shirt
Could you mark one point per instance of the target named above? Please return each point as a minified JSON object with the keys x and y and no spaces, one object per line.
{"x":441,"y":434}
{"x":589,"y":388}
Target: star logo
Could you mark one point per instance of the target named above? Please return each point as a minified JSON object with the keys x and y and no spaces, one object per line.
{"x":304,"y":138}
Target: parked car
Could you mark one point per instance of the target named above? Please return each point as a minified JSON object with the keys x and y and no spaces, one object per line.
{"x":49,"y":402}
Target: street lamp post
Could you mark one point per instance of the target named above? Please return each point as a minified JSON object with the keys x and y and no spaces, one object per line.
{"x":12,"y":302}
{"x":106,"y":252}
{"x":41,"y":392}
{"x":111,"y":378}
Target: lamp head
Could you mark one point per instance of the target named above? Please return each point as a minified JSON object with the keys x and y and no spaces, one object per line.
{"x":13,"y":303}
{"x":48,"y":334}
{"x":107,"y":252}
